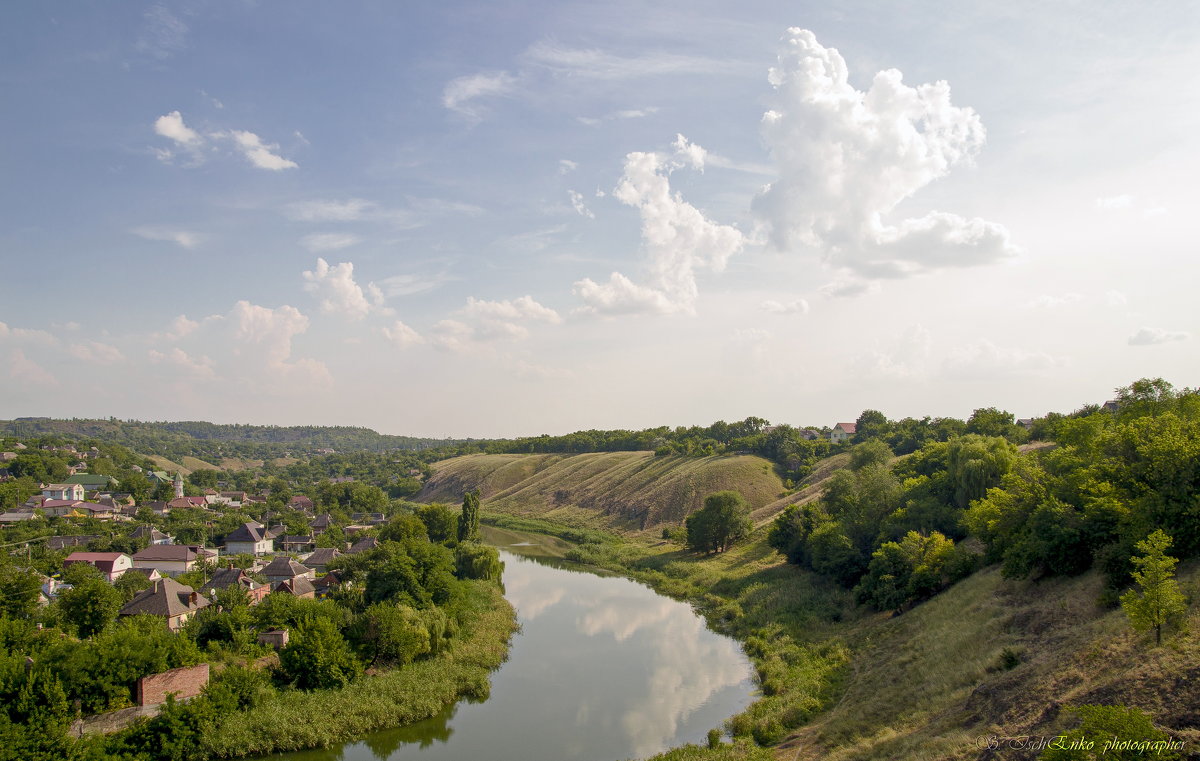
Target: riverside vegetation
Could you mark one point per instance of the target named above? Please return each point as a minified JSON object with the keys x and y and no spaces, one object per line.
{"x":427,"y":616}
{"x":972,"y":542}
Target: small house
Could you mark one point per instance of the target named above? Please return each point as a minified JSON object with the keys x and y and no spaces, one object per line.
{"x":842,"y":432}
{"x":167,"y":599}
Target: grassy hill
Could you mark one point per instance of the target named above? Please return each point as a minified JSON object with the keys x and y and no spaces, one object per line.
{"x":620,"y":490}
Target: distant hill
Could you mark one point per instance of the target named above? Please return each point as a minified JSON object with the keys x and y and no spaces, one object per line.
{"x":213,"y":442}
{"x":623,"y":490}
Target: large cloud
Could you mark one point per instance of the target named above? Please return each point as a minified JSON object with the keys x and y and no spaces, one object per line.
{"x":846,"y":158}
{"x":677,"y":237}
{"x":265,"y":334}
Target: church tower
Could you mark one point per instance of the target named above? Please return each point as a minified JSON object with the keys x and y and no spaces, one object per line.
{"x":178,"y":486}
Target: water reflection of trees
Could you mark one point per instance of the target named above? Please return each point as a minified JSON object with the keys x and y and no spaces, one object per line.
{"x":383,"y":745}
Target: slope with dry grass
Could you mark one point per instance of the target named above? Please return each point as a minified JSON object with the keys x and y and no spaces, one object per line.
{"x":617,"y":490}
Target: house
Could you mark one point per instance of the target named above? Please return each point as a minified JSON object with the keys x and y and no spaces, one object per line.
{"x":842,"y":432}
{"x":94,"y":510}
{"x":63,"y":542}
{"x":283,"y":568}
{"x":172,"y":559}
{"x":810,"y":434}
{"x":186,"y":502}
{"x":248,"y":538}
{"x":92,"y":482}
{"x":300,"y":502}
{"x":111,"y":564}
{"x":297,"y":587}
{"x":327,"y":583}
{"x":151,"y":574}
{"x":319,"y":558}
{"x":276,"y":638}
{"x":1025,"y":422}
{"x":321,"y":523}
{"x":64,"y":492}
{"x":237,"y":577}
{"x":16,"y":516}
{"x":297,"y":543}
{"x":151,"y":535}
{"x":362,"y":545}
{"x":57,"y":508}
{"x":7,"y":456}
{"x":167,"y":599}
{"x":232,"y":498}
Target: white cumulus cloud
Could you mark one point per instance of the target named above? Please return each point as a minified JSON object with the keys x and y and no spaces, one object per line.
{"x":402,"y":335}
{"x":482,"y":321}
{"x":577,"y":203}
{"x":677,"y":237}
{"x":264,"y":335}
{"x":798,"y":306}
{"x":846,"y":158}
{"x":179,"y":237}
{"x":260,"y":154}
{"x":339,"y":293}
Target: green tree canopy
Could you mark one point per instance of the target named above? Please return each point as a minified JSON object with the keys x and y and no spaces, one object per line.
{"x":1158,"y":600}
{"x":724,"y":519}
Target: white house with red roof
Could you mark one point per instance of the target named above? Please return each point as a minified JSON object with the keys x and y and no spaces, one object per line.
{"x":842,"y":432}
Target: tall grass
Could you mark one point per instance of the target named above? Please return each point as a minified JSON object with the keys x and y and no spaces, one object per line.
{"x":298,"y":720}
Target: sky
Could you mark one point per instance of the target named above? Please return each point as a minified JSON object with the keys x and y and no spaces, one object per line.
{"x":498,"y":219}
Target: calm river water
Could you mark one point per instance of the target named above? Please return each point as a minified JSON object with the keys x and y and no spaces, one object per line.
{"x":602,"y":669}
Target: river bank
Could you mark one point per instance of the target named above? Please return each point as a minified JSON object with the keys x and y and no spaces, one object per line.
{"x":296,"y":720}
{"x":785,"y":620}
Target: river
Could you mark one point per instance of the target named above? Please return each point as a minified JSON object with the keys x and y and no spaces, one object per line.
{"x":602,"y":669}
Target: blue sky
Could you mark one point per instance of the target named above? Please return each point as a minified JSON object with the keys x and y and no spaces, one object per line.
{"x":499,"y":219}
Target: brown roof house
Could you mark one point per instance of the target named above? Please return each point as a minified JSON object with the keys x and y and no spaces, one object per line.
{"x":297,"y":587}
{"x":111,"y":564}
{"x":249,"y":538}
{"x":172,"y":559}
{"x":152,"y":535}
{"x":284,"y":568}
{"x":237,"y":577}
{"x":321,"y":557}
{"x":167,"y":599}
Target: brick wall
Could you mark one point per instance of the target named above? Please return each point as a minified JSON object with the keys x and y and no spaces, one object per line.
{"x":185,"y":683}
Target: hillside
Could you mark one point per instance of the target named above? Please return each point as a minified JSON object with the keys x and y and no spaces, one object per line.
{"x":621,"y":490}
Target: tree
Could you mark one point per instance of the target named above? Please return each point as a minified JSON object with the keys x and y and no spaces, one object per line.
{"x":1159,"y":602}
{"x":473,"y":560}
{"x":976,"y":463}
{"x":319,"y":658}
{"x":468,"y":522}
{"x":724,"y":519}
{"x":390,"y":634}
{"x":440,"y":521}
{"x":870,"y":423}
{"x":19,"y":592}
{"x":91,"y":606}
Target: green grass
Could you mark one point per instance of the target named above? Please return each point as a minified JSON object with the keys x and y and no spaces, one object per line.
{"x":298,"y":720}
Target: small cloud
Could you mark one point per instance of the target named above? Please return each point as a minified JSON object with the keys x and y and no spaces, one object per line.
{"x":690,"y":153}
{"x":329,"y":241}
{"x":199,"y":367}
{"x":799,"y":306}
{"x":578,"y":205}
{"x":483,"y":321}
{"x":162,"y":33}
{"x":459,"y":93}
{"x":1155,"y":211}
{"x":349,"y":210}
{"x":27,"y":335}
{"x":1152,"y":336}
{"x":179,"y":237}
{"x":260,"y":154}
{"x":532,"y":371}
{"x":632,"y":113}
{"x":1114,"y":203}
{"x":171,"y":126}
{"x":27,"y":372}
{"x":402,"y":335}
{"x":1114,"y":298}
{"x":984,"y":360}
{"x":1047,"y":301}
{"x":407,"y":285}
{"x":96,"y":353}
{"x":846,"y":289}
{"x":566,"y":165}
